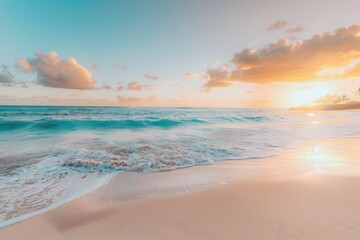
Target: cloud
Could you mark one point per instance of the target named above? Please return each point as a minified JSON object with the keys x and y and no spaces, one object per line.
{"x":343,"y":73}
{"x":69,"y":99}
{"x":153,"y":99}
{"x":7,"y":97}
{"x":53,"y":72}
{"x":123,"y":99}
{"x":355,"y":71}
{"x":219,"y":77}
{"x":6,"y":78}
{"x":120,"y":88}
{"x":151,"y":77}
{"x":125,"y":69}
{"x":23,"y":66}
{"x":129,"y":100}
{"x":94,"y":67}
{"x":284,"y":61}
{"x":191,"y":75}
{"x":295,"y":30}
{"x":135,"y":86}
{"x":74,"y":95}
{"x":292,"y":38}
{"x":277,"y":25}
{"x":106,"y":87}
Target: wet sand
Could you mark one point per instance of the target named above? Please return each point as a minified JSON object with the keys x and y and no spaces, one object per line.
{"x":309,"y":192}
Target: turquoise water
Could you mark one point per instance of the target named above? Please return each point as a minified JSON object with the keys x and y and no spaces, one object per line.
{"x":51,"y":154}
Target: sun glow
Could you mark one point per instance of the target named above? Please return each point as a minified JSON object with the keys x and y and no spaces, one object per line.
{"x":308,"y":96}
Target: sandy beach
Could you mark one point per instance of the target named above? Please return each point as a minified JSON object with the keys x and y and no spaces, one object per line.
{"x":308,"y":192}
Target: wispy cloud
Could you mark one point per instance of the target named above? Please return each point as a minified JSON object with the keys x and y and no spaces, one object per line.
{"x":74,"y":95}
{"x":151,"y":77}
{"x":124,"y":99}
{"x":134,"y":100}
{"x":135,"y":86}
{"x":295,"y":30}
{"x":277,"y":25}
{"x":6,"y":78}
{"x":191,"y":75}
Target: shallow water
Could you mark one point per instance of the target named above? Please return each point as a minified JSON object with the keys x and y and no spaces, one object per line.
{"x":51,"y":154}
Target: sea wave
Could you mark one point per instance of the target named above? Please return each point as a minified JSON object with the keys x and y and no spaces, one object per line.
{"x":71,"y":125}
{"x":49,"y":124}
{"x":48,"y":154}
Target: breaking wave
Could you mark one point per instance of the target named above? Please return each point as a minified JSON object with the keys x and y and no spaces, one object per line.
{"x":52,"y":154}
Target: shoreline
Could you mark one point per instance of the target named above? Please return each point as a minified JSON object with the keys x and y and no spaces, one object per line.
{"x":107,"y":204}
{"x":328,"y":107}
{"x":70,"y":198}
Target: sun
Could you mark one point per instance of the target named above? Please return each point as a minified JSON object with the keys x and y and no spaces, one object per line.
{"x":307,"y":96}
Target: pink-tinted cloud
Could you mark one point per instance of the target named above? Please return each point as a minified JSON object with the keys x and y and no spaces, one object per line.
{"x":191,"y":75}
{"x":151,"y":77}
{"x":136,"y":100}
{"x":120,"y":88}
{"x":292,"y":38}
{"x":124,"y":99}
{"x":135,"y":86}
{"x":277,"y":25}
{"x":23,"y":65}
{"x":94,"y":67}
{"x":220,"y":77}
{"x":284,"y":61}
{"x":54,"y":72}
{"x":153,"y":98}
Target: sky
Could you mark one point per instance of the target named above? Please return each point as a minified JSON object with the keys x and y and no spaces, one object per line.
{"x":189,"y":53}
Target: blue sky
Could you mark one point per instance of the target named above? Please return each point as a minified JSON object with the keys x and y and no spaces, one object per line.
{"x":163,"y":38}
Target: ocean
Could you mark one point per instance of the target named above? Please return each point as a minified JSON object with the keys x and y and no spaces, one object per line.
{"x":50,"y":155}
